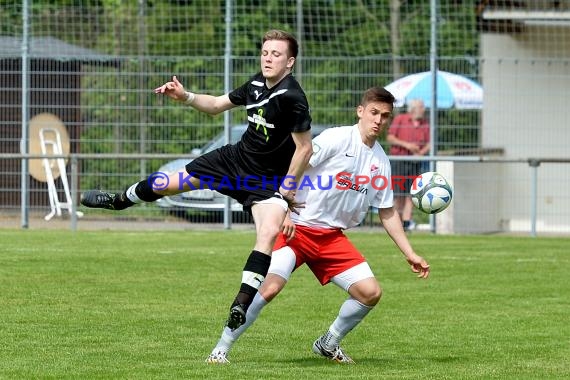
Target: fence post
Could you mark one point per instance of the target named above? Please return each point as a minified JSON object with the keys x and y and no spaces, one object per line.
{"x":25,"y":141}
{"x":534,"y":164}
{"x":73,"y":208}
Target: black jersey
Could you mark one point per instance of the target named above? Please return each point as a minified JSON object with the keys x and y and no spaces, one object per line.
{"x":266,"y":147}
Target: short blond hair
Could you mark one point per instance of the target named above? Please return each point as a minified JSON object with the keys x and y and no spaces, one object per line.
{"x":276,"y":34}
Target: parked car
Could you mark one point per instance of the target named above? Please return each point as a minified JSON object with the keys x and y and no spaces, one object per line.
{"x":205,"y":199}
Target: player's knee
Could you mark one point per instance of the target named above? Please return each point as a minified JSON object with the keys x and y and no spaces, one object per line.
{"x":372,"y":296}
{"x":270,"y":290}
{"x":269,"y":230}
{"x":377,"y":295}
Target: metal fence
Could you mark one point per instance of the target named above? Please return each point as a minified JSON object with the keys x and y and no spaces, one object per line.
{"x":469,"y":216}
{"x":84,"y":73}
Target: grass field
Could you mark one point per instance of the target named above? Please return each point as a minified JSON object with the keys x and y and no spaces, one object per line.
{"x":151,"y":305}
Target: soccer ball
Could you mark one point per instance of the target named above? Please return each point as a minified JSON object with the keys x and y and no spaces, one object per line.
{"x":431,"y":193}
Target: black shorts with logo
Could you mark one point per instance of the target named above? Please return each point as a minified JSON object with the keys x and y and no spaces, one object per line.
{"x":222,"y":170}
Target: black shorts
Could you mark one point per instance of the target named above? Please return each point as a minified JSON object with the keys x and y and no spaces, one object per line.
{"x":403,"y":174}
{"x":222,"y":170}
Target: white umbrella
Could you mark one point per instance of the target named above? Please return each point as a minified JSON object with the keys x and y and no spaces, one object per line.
{"x":453,"y":91}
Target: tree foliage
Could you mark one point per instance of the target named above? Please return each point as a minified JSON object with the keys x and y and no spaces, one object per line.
{"x":347,"y":46}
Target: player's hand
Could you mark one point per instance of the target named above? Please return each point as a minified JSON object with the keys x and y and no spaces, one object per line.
{"x":288,"y":228}
{"x":289,"y":197}
{"x":294,"y":206}
{"x":419,"y":265}
{"x":173,"y":89}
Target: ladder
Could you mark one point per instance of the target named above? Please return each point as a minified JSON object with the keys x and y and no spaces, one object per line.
{"x":50,"y":143}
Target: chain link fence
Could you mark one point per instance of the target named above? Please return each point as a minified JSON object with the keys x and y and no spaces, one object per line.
{"x":77,"y":80}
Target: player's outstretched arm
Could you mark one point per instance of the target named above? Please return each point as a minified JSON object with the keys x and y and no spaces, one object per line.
{"x":209,"y":104}
{"x":393,"y":226}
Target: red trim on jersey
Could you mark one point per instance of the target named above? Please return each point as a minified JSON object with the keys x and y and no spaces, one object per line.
{"x":327,"y":252}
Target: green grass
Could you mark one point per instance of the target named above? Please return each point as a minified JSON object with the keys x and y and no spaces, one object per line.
{"x":151,"y":305}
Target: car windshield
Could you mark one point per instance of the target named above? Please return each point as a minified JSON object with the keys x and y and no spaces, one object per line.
{"x":218,"y":142}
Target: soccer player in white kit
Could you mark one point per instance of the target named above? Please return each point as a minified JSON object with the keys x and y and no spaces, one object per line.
{"x":348,"y":173}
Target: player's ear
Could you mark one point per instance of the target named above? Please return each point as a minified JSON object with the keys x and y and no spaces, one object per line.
{"x":290,"y":62}
{"x":359,"y":111}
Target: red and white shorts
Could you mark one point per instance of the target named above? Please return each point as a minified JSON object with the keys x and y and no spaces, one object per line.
{"x":327,"y":252}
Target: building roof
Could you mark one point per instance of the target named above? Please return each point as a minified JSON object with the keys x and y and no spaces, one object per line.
{"x":51,"y":48}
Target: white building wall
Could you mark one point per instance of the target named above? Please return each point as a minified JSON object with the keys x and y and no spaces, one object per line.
{"x":527,"y":113}
{"x":527,"y":92}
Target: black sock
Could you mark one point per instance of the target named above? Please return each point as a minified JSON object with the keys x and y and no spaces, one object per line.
{"x":145,"y":192}
{"x":254,"y":273}
{"x":142,"y":190}
{"x":122,"y":202}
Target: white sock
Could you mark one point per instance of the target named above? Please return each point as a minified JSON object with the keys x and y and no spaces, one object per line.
{"x":350,"y":314}
{"x":229,"y":337}
{"x":132,"y":195}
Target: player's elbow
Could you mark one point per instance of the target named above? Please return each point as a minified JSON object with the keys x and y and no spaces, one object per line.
{"x":212,"y":112}
{"x":213,"y":109}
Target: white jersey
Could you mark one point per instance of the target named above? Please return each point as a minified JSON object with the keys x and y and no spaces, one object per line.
{"x":344,"y":179}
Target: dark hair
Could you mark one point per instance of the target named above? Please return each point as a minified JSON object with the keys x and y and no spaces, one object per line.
{"x":276,"y":34}
{"x":377,"y":94}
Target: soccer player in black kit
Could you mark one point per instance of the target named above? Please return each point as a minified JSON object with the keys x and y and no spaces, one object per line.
{"x":272,"y":154}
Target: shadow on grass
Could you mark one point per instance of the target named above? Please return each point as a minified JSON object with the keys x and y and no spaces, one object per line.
{"x":373,"y":361}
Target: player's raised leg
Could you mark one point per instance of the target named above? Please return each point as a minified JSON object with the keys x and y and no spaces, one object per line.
{"x":148,"y":190}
